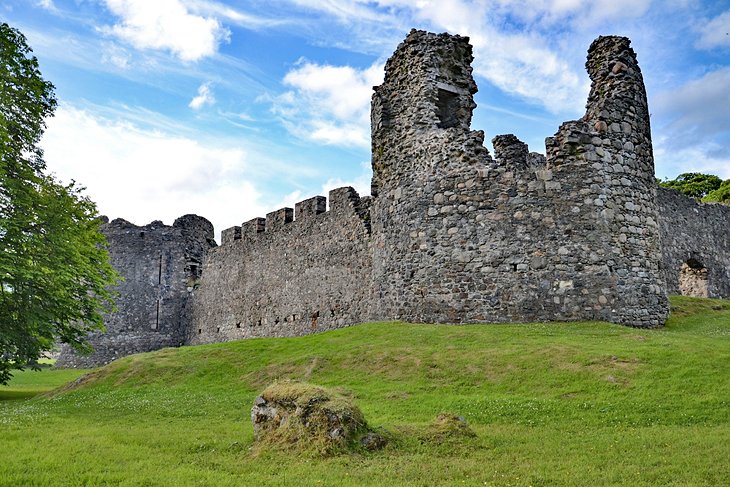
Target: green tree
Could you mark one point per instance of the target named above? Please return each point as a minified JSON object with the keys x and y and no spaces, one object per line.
{"x":719,"y":195}
{"x":54,"y":266}
{"x":694,"y":184}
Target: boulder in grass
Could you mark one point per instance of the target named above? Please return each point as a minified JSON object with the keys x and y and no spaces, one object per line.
{"x":448,"y":427}
{"x":307,"y":417}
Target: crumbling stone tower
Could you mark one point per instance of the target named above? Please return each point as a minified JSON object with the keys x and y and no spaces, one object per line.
{"x":460,"y":237}
{"x":160,"y":266}
{"x":620,"y":149}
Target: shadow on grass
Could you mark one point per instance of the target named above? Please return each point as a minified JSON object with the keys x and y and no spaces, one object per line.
{"x":11,"y":395}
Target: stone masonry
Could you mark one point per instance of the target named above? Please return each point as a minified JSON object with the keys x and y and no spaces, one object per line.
{"x":160,"y":266}
{"x":459,"y":236}
{"x":281,"y":277}
{"x":451,"y":234}
{"x":696,"y":238}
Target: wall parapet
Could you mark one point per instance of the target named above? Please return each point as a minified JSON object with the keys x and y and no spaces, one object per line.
{"x":343,"y":200}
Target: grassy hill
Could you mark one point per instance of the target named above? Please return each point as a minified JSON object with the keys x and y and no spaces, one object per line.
{"x":551,"y":403}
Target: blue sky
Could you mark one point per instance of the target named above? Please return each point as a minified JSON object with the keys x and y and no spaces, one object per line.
{"x":231,"y":108}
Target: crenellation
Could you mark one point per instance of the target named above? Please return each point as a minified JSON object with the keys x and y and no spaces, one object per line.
{"x":253,"y":227}
{"x":230,"y":234}
{"x":343,"y":199}
{"x":309,"y":275}
{"x":279,"y":218}
{"x":310,"y":207}
{"x":347,"y":200}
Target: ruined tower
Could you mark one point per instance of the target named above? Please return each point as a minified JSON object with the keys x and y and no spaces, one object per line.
{"x":620,"y":152}
{"x":160,"y":266}
{"x":459,"y":236}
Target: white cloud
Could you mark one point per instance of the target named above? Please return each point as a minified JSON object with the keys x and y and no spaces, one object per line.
{"x":516,"y":45}
{"x":595,"y":12}
{"x":699,"y":108}
{"x":116,"y":56}
{"x":47,"y":4}
{"x":166,"y":24}
{"x":716,"y":32}
{"x":142,"y":175}
{"x":695,"y":135}
{"x":289,"y":200}
{"x":347,"y":10}
{"x":204,"y":97}
{"x":571,"y":13}
{"x":707,"y":158}
{"x":329,"y":104}
{"x":518,"y":63}
{"x":238,"y":17}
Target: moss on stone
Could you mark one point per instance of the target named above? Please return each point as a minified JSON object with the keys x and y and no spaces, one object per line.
{"x":307,"y":417}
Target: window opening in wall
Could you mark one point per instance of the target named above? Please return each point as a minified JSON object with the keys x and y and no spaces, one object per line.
{"x":446,"y":107}
{"x":192,"y":268}
{"x":514,"y":267}
{"x":693,"y":279}
{"x":159,"y":271}
{"x":141,"y":234}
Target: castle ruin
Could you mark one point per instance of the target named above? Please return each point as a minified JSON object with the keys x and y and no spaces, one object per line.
{"x":451,"y":233}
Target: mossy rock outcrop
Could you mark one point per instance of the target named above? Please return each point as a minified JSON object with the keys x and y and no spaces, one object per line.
{"x":308,"y":417}
{"x":448,"y":427}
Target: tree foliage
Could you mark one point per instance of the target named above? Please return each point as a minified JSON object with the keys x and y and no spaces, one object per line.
{"x":694,"y":184}
{"x":719,"y":195}
{"x":54,"y":266}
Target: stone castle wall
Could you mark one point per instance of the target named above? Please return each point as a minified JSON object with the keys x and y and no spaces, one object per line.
{"x":282,"y":276}
{"x":461,"y":237}
{"x":160,"y":266}
{"x":450,"y":234}
{"x":695,"y":245}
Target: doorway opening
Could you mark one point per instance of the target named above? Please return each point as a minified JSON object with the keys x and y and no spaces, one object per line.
{"x":693,"y":279}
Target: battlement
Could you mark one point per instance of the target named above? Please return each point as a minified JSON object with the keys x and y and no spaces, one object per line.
{"x":310,"y":207}
{"x":343,"y":201}
{"x":291,"y":273}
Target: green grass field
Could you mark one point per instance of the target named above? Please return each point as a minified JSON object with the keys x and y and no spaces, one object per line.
{"x":551,"y":403}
